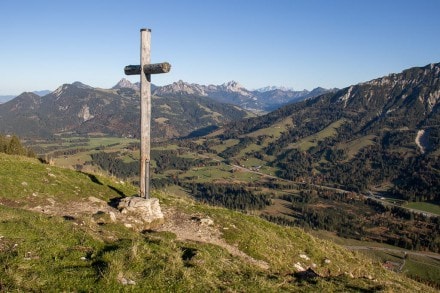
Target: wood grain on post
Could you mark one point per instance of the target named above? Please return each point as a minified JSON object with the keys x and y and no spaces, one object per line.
{"x":145,"y":73}
{"x":145,"y":115}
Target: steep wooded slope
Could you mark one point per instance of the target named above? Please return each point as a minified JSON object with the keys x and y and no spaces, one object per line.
{"x":385,"y":131}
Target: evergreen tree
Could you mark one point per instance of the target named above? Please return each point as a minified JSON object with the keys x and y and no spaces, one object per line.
{"x":15,"y":147}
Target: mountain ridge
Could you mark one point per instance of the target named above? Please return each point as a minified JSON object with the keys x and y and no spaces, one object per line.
{"x":180,"y":109}
{"x":359,"y":137}
{"x":80,"y":108}
{"x":234,"y":93}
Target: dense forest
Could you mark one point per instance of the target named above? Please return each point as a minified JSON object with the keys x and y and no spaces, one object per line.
{"x":113,"y":163}
{"x":354,"y":216}
{"x":232,"y":196}
{"x":414,"y":178}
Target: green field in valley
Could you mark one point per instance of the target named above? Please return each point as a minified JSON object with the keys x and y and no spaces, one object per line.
{"x":424,"y":206}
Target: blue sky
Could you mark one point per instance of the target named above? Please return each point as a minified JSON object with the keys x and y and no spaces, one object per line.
{"x":296,"y":43}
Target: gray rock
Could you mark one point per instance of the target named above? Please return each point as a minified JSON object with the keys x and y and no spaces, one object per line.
{"x":143,"y":213}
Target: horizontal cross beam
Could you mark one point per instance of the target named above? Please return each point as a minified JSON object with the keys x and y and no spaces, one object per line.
{"x":148,"y":68}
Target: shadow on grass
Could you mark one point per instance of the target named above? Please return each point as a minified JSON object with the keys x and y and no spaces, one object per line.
{"x":119,"y":192}
{"x":92,"y":178}
{"x":114,"y":202}
{"x":363,"y":285}
{"x":99,"y":264}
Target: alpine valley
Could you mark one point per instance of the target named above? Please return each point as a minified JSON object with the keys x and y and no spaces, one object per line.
{"x":359,"y":165}
{"x":362,"y":161}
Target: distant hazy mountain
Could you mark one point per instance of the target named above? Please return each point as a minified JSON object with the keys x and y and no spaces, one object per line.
{"x":271,"y":88}
{"x":79,"y":108}
{"x":6,"y":98}
{"x":232,"y":92}
{"x":42,"y":93}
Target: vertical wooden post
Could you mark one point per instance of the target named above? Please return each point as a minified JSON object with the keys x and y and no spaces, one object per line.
{"x":145,"y":115}
{"x":145,"y":70}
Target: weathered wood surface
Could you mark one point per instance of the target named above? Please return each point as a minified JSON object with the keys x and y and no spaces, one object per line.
{"x":156,"y":68}
{"x":148,"y":69}
{"x":145,"y":116}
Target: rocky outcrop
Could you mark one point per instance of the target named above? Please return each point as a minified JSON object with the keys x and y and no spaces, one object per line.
{"x":141,"y":214}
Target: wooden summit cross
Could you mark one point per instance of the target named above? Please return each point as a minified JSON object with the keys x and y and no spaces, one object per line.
{"x":145,"y":70}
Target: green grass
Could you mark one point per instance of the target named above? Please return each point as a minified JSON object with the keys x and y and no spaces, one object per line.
{"x":221,"y":146}
{"x":275,"y":130}
{"x":19,"y":182}
{"x":169,"y":147}
{"x":91,"y":143}
{"x":421,"y":268}
{"x":311,"y":141}
{"x":250,"y":149}
{"x":209,"y":173}
{"x":322,"y":234}
{"x":252,"y":162}
{"x":106,"y":141}
{"x":68,"y":161}
{"x":353,"y":147}
{"x":425,"y":207}
{"x":35,"y":254}
{"x":424,"y":268}
{"x":49,"y":253}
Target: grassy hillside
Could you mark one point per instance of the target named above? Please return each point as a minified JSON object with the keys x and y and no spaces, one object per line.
{"x":56,"y":235}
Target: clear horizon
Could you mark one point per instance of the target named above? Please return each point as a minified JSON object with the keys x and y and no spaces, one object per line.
{"x":300,"y":44}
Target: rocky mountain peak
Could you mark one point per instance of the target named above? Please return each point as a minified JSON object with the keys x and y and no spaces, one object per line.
{"x":233,"y":86}
{"x":273,"y":88}
{"x":81,"y":85}
{"x":67,"y":89}
{"x":181,"y":87}
{"x":396,"y":90}
{"x":24,"y":102}
{"x":60,"y":90}
{"x":125,"y":83}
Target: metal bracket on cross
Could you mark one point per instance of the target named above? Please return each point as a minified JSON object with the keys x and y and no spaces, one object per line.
{"x":148,"y":69}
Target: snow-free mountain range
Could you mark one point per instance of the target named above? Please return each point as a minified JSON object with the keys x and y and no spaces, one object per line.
{"x":183,"y":109}
{"x":179,"y":109}
{"x":260,"y":100}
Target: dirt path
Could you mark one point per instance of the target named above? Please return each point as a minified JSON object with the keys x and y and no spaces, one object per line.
{"x":186,"y":227}
{"x":199,"y":229}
